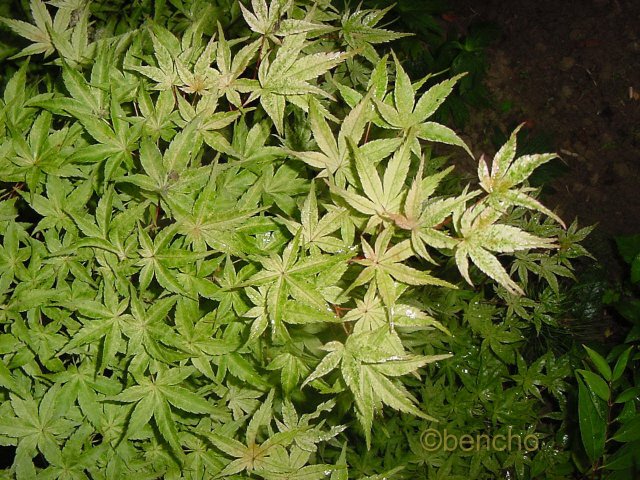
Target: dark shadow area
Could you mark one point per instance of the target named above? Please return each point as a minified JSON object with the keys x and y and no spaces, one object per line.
{"x":571,"y":71}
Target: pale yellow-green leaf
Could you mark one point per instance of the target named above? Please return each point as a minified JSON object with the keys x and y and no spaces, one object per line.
{"x":403,"y":94}
{"x":505,"y":155}
{"x":429,"y":101}
{"x":524,"y":166}
{"x":434,"y":132}
{"x":322,"y":132}
{"x":395,"y":174}
{"x":492,"y":267}
{"x":368,"y":176}
{"x":519,"y":198}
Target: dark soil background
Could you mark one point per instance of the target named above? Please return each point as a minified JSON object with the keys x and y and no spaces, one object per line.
{"x":570,"y":70}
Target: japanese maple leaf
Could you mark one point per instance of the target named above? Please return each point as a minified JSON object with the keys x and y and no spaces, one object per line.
{"x":385,"y":264}
{"x":507,"y":172}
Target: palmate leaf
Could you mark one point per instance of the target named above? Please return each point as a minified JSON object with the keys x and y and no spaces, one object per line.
{"x":166,"y":172}
{"x":158,"y":260}
{"x":44,"y":152}
{"x":214,"y":219}
{"x":264,"y":17}
{"x":85,"y":98}
{"x":106,"y":233}
{"x":425,"y":217}
{"x":253,"y":454}
{"x":147,"y":332}
{"x":37,"y":424}
{"x":291,"y":368}
{"x":228,"y":81}
{"x":369,"y":313}
{"x":290,"y":275}
{"x":159,"y":116}
{"x":316,"y":231}
{"x":410,"y":116}
{"x":334,"y":156}
{"x":385,"y":265}
{"x":267,"y":20}
{"x":281,"y":186}
{"x":367,"y":360}
{"x":196,"y":335}
{"x":507,"y":172}
{"x":310,"y":434}
{"x":482,"y":235}
{"x":40,"y":33}
{"x":154,"y":399}
{"x":196,"y":75}
{"x":101,"y":323}
{"x":250,"y":145}
{"x":76,"y":46}
{"x":383,"y":197}
{"x":164,"y":74}
{"x":287,"y":77}
{"x":360,"y":31}
{"x":16,"y":96}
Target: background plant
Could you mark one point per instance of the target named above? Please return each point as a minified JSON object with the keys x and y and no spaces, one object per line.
{"x":229,"y":250}
{"x":608,"y":387}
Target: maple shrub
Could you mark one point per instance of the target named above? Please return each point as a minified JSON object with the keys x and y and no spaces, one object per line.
{"x":229,"y":250}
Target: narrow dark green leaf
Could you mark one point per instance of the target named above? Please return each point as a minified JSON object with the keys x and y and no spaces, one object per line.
{"x":592,"y":425}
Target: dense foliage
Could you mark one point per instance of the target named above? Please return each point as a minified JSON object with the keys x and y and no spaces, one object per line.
{"x":229,"y":249}
{"x":609,"y":385}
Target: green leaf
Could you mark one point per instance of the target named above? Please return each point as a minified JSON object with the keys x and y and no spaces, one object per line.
{"x":151,"y":160}
{"x":38,"y":33}
{"x":403,"y":91}
{"x":326,"y":365}
{"x":600,"y":363}
{"x":229,"y":446}
{"x":166,"y":426}
{"x":141,"y":414}
{"x":434,"y":132}
{"x":629,"y":431}
{"x":507,"y":172}
{"x":185,"y":400}
{"x":6,"y":379}
{"x":300,"y":313}
{"x":241,"y":368}
{"x":393,"y":396}
{"x":431,"y":100}
{"x":628,"y":247}
{"x":178,"y":155}
{"x":592,"y":425}
{"x":596,"y":383}
{"x":289,"y":74}
{"x":628,"y":394}
{"x":369,"y":178}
